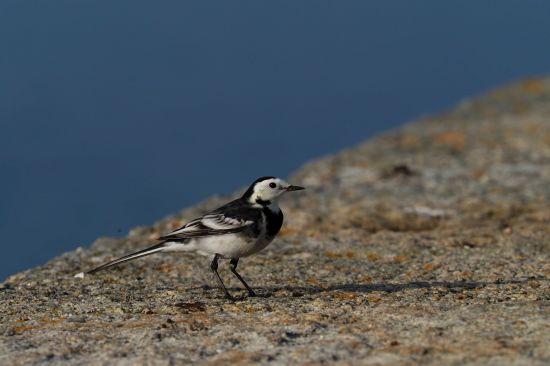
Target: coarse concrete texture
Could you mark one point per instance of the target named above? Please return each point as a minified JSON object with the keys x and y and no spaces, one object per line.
{"x":426,"y":245}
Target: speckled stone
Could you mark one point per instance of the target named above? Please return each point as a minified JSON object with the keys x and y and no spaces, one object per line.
{"x":426,"y":245}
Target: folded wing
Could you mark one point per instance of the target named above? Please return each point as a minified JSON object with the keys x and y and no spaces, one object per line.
{"x":209,"y":224}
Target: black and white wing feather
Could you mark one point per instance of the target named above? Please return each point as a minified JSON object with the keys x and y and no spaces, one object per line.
{"x":228,"y":219}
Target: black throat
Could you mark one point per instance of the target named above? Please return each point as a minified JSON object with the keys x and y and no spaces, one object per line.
{"x":273,"y":221}
{"x":263,"y":203}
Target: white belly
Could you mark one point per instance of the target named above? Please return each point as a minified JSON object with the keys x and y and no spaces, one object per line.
{"x":228,"y":246}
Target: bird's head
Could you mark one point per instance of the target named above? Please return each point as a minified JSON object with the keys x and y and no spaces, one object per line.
{"x":265,"y":190}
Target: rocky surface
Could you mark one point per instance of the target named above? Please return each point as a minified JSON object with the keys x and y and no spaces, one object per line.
{"x":427,"y":245}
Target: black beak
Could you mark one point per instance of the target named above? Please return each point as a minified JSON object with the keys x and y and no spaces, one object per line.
{"x":294,"y":188}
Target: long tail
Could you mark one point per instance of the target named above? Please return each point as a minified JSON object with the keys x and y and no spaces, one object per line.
{"x":142,"y":253}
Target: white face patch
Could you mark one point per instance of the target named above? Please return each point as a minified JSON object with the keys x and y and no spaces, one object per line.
{"x":268,"y":190}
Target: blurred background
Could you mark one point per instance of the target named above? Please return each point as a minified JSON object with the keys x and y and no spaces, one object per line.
{"x":115,"y":114}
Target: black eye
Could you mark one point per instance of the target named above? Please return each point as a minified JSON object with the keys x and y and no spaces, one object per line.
{"x":273,"y":185}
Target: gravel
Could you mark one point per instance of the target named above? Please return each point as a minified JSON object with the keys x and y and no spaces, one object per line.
{"x":426,"y":245}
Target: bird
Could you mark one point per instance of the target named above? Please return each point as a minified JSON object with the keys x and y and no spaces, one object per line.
{"x":238,"y":229}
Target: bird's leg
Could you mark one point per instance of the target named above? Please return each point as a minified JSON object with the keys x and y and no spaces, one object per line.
{"x":214,"y":268}
{"x":233,"y":264}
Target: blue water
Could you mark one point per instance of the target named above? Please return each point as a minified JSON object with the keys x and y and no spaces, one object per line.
{"x":115,"y":114}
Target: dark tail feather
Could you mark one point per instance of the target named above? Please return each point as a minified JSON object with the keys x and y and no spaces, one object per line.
{"x":142,"y":253}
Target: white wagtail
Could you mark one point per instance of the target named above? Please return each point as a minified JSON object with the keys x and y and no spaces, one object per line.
{"x":237,"y":229}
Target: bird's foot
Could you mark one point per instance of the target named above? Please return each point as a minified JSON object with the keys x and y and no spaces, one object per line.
{"x":251,"y":293}
{"x":229,"y":297}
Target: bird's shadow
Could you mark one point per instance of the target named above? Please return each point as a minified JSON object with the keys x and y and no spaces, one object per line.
{"x":299,"y":291}
{"x":398,"y":287}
